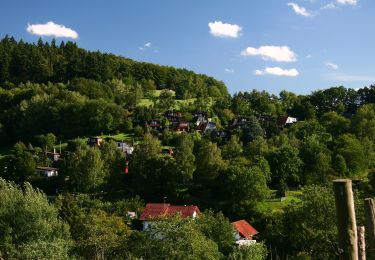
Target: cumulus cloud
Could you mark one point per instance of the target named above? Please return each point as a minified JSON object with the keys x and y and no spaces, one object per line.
{"x":51,"y":29}
{"x":224,"y":30}
{"x":347,"y":2}
{"x":276,"y":53}
{"x":299,"y":9}
{"x":145,"y":46}
{"x":331,"y":65}
{"x":229,"y":70}
{"x":277,"y":71}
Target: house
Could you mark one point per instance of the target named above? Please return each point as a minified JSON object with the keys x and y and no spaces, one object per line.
{"x":154,"y":124}
{"x":244,"y":233}
{"x":287,"y":121}
{"x":200,"y":117}
{"x":206,"y":127}
{"x":125,"y":147}
{"x":169,"y":151}
{"x":182,"y":126}
{"x":54,"y":156}
{"x":46,"y":171}
{"x":173,"y":117}
{"x":153,"y":211}
{"x":240,"y":122}
{"x":95,"y":141}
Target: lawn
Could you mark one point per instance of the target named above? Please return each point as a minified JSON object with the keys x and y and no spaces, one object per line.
{"x":276,"y":204}
{"x":120,"y":136}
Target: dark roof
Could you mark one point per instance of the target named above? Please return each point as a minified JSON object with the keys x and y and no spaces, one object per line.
{"x":155,"y":210}
{"x":44,"y":168}
{"x":244,"y":228}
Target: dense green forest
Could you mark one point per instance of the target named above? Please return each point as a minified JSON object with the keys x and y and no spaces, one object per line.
{"x":56,"y":96}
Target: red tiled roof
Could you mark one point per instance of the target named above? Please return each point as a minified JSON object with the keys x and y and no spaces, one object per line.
{"x":154,"y":210}
{"x":244,"y":228}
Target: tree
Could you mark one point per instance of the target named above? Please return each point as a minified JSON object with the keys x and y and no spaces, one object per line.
{"x":256,"y":251}
{"x":335,"y":123}
{"x":364,"y":122}
{"x":354,"y":153}
{"x":175,"y":238}
{"x":85,"y":169}
{"x":185,"y":159}
{"x":46,"y":141}
{"x":216,"y":227}
{"x":209,"y":161}
{"x":233,"y":148}
{"x":316,"y":161}
{"x":285,"y":166}
{"x":307,"y":227}
{"x":101,"y":235}
{"x":20,"y":165}
{"x":29,"y":225}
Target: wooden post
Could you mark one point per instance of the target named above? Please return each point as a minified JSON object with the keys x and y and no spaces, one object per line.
{"x":361,"y":243}
{"x":370,"y":226}
{"x":346,"y":222}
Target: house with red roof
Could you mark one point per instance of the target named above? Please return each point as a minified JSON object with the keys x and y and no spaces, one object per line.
{"x":244,"y":232}
{"x":154,"y":211}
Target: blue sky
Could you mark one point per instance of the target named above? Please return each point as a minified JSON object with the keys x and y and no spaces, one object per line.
{"x":297,"y":45}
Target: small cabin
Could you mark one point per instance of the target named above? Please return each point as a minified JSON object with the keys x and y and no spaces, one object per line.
{"x":125,"y":147}
{"x":95,"y":141}
{"x":287,"y":121}
{"x":207,"y":127}
{"x":244,"y":233}
{"x":46,"y":171}
{"x":182,"y":127}
{"x":154,"y":124}
{"x":173,"y":117}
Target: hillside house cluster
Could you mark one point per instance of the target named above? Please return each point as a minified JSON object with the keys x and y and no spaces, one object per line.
{"x":204,"y":125}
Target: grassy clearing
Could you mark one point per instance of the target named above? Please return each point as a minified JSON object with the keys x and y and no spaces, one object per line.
{"x":120,"y":136}
{"x":277,"y":205}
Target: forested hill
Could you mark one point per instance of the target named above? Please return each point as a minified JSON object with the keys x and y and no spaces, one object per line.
{"x":44,"y":62}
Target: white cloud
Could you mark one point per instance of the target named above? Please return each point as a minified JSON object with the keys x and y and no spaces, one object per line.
{"x":299,"y":10}
{"x":277,"y":71}
{"x":276,"y":53}
{"x":331,"y":65}
{"x":309,"y":56}
{"x":145,"y":46}
{"x":229,"y":70}
{"x":52,"y":29}
{"x":328,"y":6}
{"x":225,"y":30}
{"x":347,"y":2}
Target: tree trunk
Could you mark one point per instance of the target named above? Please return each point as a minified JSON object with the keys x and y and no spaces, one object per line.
{"x":346,"y":222}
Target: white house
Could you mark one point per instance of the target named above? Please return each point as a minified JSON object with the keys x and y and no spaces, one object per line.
{"x":46,"y":171}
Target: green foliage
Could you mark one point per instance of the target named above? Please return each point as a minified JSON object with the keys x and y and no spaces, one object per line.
{"x":216,"y":227}
{"x":256,"y":251}
{"x":175,"y":238}
{"x":85,"y":170}
{"x":285,"y":166}
{"x":306,"y":226}
{"x":101,"y":235}
{"x":185,"y":159}
{"x":29,"y":225}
